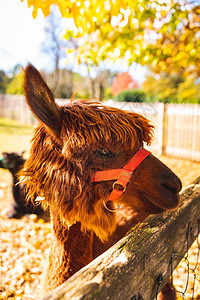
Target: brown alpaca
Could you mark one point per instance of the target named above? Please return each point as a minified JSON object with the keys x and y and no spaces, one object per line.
{"x":71,"y":144}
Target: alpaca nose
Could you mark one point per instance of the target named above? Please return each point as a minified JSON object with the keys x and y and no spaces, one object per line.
{"x":170,"y":186}
{"x":172,"y":182}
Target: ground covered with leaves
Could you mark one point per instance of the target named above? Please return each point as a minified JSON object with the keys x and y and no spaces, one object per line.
{"x":24,"y":247}
{"x":25,"y":243}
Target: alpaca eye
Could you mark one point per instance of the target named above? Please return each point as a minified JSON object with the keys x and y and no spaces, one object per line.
{"x":102,"y":153}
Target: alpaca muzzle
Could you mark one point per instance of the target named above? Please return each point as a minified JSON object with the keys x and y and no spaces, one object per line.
{"x":122,"y":175}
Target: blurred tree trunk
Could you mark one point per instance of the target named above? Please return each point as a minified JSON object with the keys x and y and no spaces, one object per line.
{"x":54,"y":46}
{"x":92,"y":86}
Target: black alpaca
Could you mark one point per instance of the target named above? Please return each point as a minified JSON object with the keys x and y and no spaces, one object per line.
{"x":19,"y":207}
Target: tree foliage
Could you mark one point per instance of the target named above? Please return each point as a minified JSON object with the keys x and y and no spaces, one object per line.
{"x":131,"y":96}
{"x":172,"y":88}
{"x":123,"y":82}
{"x":16,"y":84}
{"x":162,"y":33}
{"x":3,"y":81}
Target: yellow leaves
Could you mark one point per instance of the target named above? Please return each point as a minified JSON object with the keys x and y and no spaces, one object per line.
{"x":103,"y":49}
{"x":115,"y":9}
{"x":158,"y":52}
{"x":126,"y":23}
{"x":75,"y":11}
{"x":43,"y":5}
{"x":33,"y":217}
{"x":167,"y":50}
{"x":64,"y":8}
{"x":38,"y":244}
{"x":24,"y":247}
{"x":180,"y":56}
{"x":162,"y":65}
{"x":154,"y":63}
{"x":189,"y":47}
{"x":193,"y":52}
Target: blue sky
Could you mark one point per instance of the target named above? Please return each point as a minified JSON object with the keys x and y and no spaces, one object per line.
{"x":21,"y":37}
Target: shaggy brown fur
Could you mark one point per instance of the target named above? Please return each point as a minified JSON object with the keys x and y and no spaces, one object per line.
{"x":69,"y":145}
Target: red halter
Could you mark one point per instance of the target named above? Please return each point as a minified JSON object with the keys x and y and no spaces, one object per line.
{"x":122,"y":175}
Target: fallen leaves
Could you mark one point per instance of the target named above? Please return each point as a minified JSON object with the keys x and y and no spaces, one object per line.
{"x":24,"y":249}
{"x":181,"y":274}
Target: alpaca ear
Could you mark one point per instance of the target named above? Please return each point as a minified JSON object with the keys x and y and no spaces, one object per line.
{"x":41,"y":100}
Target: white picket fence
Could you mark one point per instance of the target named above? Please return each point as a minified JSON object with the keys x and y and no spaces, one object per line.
{"x":182,"y":136}
{"x":15,"y":107}
{"x":177,"y":126}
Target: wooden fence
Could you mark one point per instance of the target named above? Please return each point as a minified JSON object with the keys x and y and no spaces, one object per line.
{"x":131,"y":269}
{"x":177,"y":126}
{"x":14,"y":107}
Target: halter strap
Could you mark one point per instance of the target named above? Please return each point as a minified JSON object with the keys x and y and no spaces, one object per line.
{"x":4,"y":164}
{"x":122,"y":175}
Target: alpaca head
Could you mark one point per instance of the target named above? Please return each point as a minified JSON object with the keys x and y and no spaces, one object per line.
{"x":74,"y":141}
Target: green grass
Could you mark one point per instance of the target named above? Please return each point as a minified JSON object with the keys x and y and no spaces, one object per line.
{"x":14,"y":136}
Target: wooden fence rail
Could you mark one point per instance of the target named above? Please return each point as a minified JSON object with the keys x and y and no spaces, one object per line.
{"x":177,"y":126}
{"x":130,"y":268}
